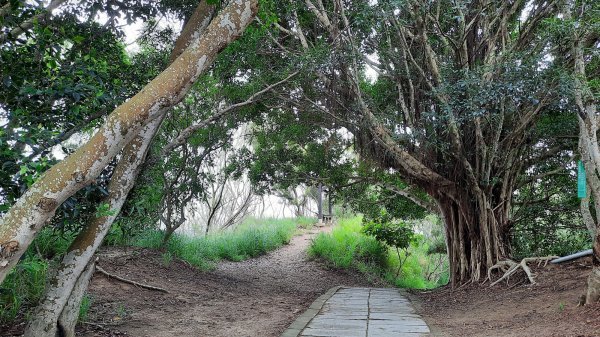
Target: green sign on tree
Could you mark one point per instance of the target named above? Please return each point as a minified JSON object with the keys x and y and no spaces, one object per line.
{"x":581,"y":187}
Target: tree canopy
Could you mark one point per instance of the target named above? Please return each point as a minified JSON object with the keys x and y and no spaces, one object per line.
{"x":472,"y":110}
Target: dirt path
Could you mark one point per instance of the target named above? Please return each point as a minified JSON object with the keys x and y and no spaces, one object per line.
{"x":257,"y":297}
{"x":547,"y":309}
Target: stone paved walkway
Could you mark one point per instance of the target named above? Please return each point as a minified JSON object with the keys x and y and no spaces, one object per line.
{"x":359,"y":312}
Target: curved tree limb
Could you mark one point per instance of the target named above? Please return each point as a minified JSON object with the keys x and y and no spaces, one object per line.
{"x":21,"y":223}
{"x":28,"y":24}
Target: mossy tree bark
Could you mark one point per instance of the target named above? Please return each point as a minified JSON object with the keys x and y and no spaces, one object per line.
{"x":19,"y":226}
{"x":59,"y":308}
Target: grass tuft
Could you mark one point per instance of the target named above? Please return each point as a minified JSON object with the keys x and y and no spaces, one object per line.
{"x":22,"y":288}
{"x":84,"y":308}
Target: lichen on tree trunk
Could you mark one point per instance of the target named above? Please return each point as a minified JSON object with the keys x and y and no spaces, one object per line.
{"x":21,"y":223}
{"x":59,"y":309}
{"x":60,"y":291}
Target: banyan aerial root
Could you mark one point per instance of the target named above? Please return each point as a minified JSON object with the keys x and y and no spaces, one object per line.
{"x":510,"y":267}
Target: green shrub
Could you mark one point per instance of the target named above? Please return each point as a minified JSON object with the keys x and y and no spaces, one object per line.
{"x":347,"y":246}
{"x":396,"y":235}
{"x":548,"y":242}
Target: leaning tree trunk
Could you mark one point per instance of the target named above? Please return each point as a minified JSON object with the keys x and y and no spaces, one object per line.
{"x":21,"y":223}
{"x":70,"y":281}
{"x":46,"y":322}
{"x":70,"y":314}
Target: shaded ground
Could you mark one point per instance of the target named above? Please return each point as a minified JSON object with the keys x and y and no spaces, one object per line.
{"x":257,"y":297}
{"x":261,"y":297}
{"x":547,"y":309}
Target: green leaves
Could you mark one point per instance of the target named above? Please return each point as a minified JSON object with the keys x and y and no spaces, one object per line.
{"x":395,"y":234}
{"x":104,"y":210}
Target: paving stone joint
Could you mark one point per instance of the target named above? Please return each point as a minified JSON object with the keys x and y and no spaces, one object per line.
{"x":359,"y":312}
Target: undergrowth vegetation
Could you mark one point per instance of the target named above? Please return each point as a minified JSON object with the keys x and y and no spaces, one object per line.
{"x":253,"y":238}
{"x":348,"y":247}
{"x":24,"y":286}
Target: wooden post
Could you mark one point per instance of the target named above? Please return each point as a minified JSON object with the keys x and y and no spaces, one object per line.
{"x":330,"y":201}
{"x":320,"y":201}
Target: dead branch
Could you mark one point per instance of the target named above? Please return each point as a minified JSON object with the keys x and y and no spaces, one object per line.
{"x":509,"y":267}
{"x":118,"y":278}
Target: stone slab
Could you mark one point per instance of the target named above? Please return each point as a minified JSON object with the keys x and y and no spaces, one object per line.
{"x":359,"y":312}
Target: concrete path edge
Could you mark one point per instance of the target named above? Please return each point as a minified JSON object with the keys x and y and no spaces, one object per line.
{"x":302,"y":321}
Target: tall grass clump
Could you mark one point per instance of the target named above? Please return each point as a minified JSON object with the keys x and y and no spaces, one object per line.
{"x":22,"y":288}
{"x":84,"y":308}
{"x":423,"y":265}
{"x":253,"y":238}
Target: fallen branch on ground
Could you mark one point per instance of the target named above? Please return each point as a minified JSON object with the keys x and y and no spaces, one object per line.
{"x":509,"y":267}
{"x":102,"y":325}
{"x":118,"y":278}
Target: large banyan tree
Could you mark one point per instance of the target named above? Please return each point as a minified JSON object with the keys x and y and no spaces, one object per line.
{"x":454,"y":108}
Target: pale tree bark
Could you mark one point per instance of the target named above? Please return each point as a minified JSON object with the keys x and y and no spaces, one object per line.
{"x":588,"y":122}
{"x":69,"y":316}
{"x":21,"y":223}
{"x":45,"y":320}
{"x":70,"y":281}
{"x":592,"y":294}
{"x":593,"y":182}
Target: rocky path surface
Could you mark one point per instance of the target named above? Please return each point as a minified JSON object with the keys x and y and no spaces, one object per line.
{"x":257,"y":297}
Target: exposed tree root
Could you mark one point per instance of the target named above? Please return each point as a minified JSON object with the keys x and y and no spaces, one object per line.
{"x":509,"y":267}
{"x":118,"y":278}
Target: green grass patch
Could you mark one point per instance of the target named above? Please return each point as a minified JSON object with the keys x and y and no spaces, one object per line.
{"x":84,"y":307}
{"x":251,"y":239}
{"x":346,"y":247}
{"x":24,"y":286}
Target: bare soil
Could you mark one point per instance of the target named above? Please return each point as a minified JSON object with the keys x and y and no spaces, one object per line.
{"x":257,"y":297}
{"x":261,"y":297}
{"x":549,"y":308}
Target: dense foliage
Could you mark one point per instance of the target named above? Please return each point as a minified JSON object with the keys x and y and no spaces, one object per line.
{"x":467,"y":110}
